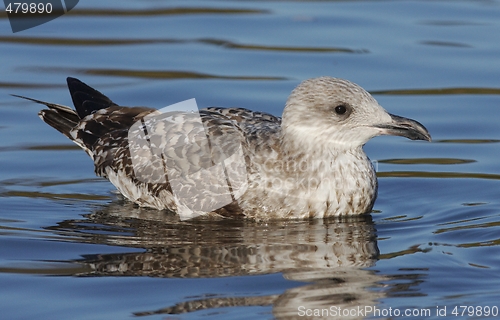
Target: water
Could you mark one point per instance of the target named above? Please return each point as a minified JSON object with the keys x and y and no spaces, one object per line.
{"x":71,"y":248}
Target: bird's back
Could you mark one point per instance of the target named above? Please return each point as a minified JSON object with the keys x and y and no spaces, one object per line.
{"x":135,"y":147}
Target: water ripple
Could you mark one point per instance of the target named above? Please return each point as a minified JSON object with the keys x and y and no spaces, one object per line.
{"x":446,"y":44}
{"x":443,"y":175}
{"x":438,"y":91}
{"x":444,"y":161}
{"x":150,"y":74}
{"x":114,"y":12}
{"x":467,"y":141}
{"x":206,"y":41}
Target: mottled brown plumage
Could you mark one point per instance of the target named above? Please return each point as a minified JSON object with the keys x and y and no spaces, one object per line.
{"x":307,"y":164}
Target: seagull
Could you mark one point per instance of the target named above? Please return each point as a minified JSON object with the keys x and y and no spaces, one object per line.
{"x":234,"y":162}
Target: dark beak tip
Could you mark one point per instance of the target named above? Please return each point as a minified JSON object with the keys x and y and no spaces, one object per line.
{"x":424,"y":136}
{"x":408,"y":128}
{"x":418,"y":135}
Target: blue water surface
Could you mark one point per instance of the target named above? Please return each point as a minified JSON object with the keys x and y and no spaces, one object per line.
{"x":71,"y":248}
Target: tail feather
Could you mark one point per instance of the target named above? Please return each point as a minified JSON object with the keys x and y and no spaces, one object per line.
{"x":57,"y":121}
{"x":86,"y":99}
{"x":64,"y":119}
{"x":60,"y":117}
{"x":85,"y":125}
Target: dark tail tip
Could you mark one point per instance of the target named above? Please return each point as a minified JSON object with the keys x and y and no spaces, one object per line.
{"x":87,"y":100}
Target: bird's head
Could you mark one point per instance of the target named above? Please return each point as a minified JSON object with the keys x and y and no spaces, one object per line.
{"x":337,"y":113}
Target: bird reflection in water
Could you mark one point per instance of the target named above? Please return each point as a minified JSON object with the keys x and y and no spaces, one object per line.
{"x":328,"y":256}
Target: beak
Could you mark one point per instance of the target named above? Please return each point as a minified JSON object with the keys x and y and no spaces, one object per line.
{"x":404,"y":127}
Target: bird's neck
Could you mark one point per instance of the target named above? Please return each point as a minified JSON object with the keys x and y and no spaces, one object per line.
{"x":295,"y":139}
{"x":322,"y":158}
{"x":311,"y":154}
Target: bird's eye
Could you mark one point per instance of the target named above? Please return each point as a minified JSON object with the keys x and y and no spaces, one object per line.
{"x":340,"y":109}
